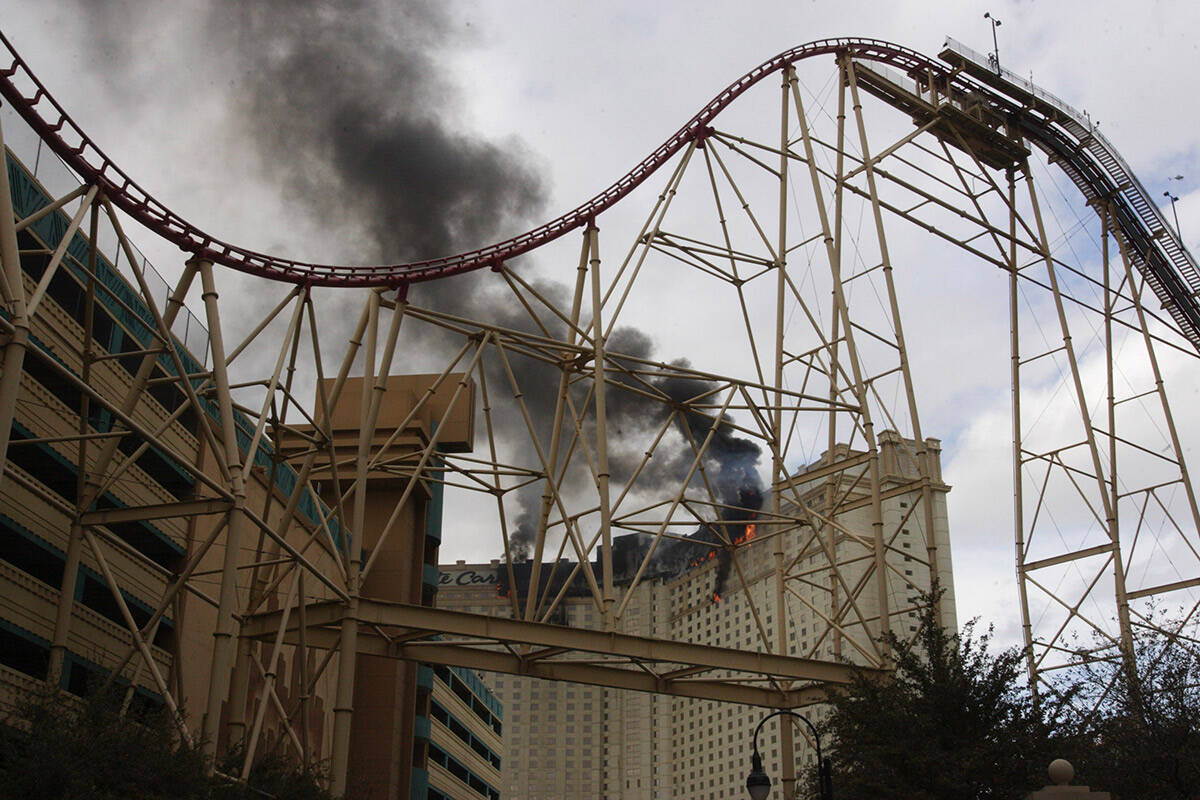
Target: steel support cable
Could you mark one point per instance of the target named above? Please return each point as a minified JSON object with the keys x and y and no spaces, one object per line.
{"x":30,"y":98}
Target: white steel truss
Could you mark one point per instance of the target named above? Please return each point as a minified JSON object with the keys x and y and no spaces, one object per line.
{"x":783,"y":430}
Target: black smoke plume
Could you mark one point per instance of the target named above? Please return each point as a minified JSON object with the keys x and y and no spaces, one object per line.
{"x":352,"y":115}
{"x":349,"y":103}
{"x":711,"y":542}
{"x":730,"y":461}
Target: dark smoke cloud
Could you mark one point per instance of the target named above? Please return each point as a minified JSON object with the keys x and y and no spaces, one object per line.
{"x":349,"y":103}
{"x":351,"y":114}
{"x":359,"y":103}
{"x":734,"y":457}
{"x":730,"y":461}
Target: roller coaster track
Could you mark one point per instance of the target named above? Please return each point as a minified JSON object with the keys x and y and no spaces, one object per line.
{"x":1070,"y":140}
{"x":80,"y":343}
{"x":1102,"y":176}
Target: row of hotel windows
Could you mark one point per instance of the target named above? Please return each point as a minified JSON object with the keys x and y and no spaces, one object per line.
{"x":36,"y":557}
{"x":456,"y":768}
{"x":451,"y":678}
{"x":28,"y":653}
{"x":439,"y":713}
{"x":67,"y":291}
{"x":115,"y":300}
{"x":61,"y":477}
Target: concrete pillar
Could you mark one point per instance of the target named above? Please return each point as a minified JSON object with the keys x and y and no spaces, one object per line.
{"x":1061,"y":773}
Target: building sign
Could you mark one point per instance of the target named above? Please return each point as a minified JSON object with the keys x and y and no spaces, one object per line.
{"x":467,"y":576}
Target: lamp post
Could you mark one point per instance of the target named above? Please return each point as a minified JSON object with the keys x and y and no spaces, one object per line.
{"x":1174,"y":213}
{"x":758,"y":783}
{"x":995,"y":43}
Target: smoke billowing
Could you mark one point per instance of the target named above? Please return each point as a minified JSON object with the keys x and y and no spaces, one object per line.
{"x":362,"y":113}
{"x":348,"y":102}
{"x":350,"y":114}
{"x":712,"y":542}
{"x":347,"y":112}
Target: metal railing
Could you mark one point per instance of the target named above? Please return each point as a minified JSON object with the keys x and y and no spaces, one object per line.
{"x":57,"y":179}
{"x":1087,"y":131}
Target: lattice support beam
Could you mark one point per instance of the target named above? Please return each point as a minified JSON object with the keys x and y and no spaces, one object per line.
{"x":406,"y":621}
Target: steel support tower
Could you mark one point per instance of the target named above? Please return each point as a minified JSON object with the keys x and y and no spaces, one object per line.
{"x":770,"y":230}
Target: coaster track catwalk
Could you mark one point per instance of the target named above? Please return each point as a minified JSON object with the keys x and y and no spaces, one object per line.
{"x":584,"y":433}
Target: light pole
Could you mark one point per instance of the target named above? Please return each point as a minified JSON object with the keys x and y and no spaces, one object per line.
{"x":1175,"y":213}
{"x":995,"y":43}
{"x":758,"y":783}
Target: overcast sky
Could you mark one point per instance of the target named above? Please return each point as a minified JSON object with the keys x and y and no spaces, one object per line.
{"x":576,"y":94}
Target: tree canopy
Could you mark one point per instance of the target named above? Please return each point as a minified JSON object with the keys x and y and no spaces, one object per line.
{"x":954,"y":722}
{"x":58,"y":748}
{"x":1145,"y":731}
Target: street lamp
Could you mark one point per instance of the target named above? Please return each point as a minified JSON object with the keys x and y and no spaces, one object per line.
{"x":758,"y":783}
{"x":1173,"y":211}
{"x":995,"y":44}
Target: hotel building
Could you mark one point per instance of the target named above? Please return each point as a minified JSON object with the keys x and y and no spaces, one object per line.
{"x":569,"y":740}
{"x":75,"y":576}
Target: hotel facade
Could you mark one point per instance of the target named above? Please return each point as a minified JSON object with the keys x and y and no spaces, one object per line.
{"x":89,"y":554}
{"x":579,"y":741}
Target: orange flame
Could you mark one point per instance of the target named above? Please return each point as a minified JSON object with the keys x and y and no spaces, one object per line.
{"x":746,"y":536}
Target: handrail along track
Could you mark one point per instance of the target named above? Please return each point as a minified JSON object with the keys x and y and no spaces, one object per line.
{"x":1076,"y":144}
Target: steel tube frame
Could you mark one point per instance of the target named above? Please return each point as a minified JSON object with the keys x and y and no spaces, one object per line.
{"x":92,"y":488}
{"x":859,"y":386}
{"x":354,"y":623}
{"x":18,"y":316}
{"x":778,"y":468}
{"x":343,"y":710}
{"x":226,"y":631}
{"x":922,"y":456}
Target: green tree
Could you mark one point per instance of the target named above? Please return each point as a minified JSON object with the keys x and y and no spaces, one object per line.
{"x":59,"y":748}
{"x":954,"y":722}
{"x":1146,"y":730}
